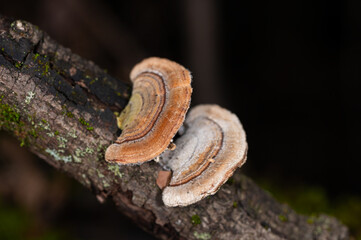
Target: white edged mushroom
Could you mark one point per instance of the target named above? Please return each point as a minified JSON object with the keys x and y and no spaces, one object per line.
{"x":212,"y":147}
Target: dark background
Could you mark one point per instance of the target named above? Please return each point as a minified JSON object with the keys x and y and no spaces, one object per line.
{"x":290,"y":70}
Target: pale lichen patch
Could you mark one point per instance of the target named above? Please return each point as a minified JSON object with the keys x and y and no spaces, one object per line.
{"x":50,"y":134}
{"x":29,"y":96}
{"x":202,"y":236}
{"x":55,"y":154}
{"x":44,"y":125}
{"x":79,"y":153}
{"x":19,"y":25}
{"x":77,"y":159}
{"x":105,"y":184}
{"x":72,"y":133}
{"x":100,"y":175}
{"x":22,"y":29}
{"x":89,"y":150}
{"x":87,"y":182}
{"x":62,"y":141}
{"x":115,"y":169}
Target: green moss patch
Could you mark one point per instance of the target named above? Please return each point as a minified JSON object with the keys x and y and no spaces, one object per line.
{"x":86,"y":124}
{"x":11,"y":121}
{"x":196,"y":220}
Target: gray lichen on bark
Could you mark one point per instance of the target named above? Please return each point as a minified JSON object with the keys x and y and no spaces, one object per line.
{"x":61,"y":107}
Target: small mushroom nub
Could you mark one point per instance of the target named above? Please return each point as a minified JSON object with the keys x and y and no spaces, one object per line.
{"x":172,"y":146}
{"x":163,"y":179}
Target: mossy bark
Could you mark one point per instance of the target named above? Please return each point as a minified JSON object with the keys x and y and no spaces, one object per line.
{"x":62,"y":108}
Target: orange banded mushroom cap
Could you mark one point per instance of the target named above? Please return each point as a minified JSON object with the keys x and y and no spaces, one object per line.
{"x":156,"y":110}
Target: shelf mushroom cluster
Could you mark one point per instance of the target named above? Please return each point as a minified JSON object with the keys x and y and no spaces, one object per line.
{"x":206,"y":155}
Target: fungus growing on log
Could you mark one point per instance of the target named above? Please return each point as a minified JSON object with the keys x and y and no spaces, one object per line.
{"x":213,"y":146}
{"x":156,"y":110}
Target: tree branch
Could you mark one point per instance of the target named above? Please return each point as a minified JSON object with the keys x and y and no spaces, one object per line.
{"x":61,"y":107}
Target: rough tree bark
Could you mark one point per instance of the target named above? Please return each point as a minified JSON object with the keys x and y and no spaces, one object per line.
{"x":62,"y":108}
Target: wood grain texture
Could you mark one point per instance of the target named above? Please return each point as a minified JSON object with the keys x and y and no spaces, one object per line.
{"x":160,"y":99}
{"x":213,"y":146}
{"x":54,"y":109}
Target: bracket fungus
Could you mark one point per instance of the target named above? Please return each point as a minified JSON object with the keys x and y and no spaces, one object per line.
{"x":213,"y":146}
{"x":156,"y":110}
